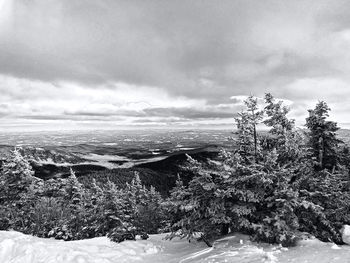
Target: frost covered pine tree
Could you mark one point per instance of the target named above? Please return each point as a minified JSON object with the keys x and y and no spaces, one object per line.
{"x":73,"y":190}
{"x":118,"y":212}
{"x":247,"y":122}
{"x":282,"y":136}
{"x":277,"y":116}
{"x":147,"y":210}
{"x":323,"y":140}
{"x":200,"y":210}
{"x":15,"y":177}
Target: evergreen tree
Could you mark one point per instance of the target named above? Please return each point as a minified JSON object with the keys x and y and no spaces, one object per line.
{"x":148,"y":214}
{"x":197,"y":208}
{"x":330,"y":192}
{"x":323,"y":140}
{"x":282,"y":134}
{"x":92,"y":212}
{"x":15,"y":177}
{"x":277,"y":116}
{"x":247,"y":122}
{"x":73,"y":190}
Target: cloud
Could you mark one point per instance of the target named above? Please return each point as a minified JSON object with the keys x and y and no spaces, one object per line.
{"x":188,"y":113}
{"x":85,"y":59}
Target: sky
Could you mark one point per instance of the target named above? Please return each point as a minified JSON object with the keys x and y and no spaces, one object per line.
{"x":111,"y":64}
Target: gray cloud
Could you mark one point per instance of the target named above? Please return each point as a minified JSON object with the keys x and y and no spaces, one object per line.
{"x":205,"y":50}
{"x":183,"y":113}
{"x":188,"y":113}
{"x":170,"y":44}
{"x":88,"y":113}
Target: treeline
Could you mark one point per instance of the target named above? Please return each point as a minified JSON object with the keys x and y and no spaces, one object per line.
{"x":274,"y":186}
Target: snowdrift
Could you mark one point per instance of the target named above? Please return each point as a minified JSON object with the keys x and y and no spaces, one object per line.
{"x":19,"y":248}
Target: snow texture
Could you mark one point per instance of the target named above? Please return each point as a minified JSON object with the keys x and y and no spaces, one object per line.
{"x":345,"y":231}
{"x":19,"y":248}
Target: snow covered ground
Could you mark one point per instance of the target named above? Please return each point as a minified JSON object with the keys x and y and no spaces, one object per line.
{"x":19,"y":248}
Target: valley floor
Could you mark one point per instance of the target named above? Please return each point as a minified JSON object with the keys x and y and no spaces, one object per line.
{"x":19,"y":248}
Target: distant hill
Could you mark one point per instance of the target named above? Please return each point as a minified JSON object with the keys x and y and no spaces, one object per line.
{"x":161,"y":174}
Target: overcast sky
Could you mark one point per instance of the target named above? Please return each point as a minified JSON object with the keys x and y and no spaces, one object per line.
{"x":109,"y":64}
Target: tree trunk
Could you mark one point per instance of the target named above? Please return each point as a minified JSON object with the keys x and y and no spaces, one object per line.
{"x":224,"y":229}
{"x":255,"y":144}
{"x":321,"y":152}
{"x":207,"y":242}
